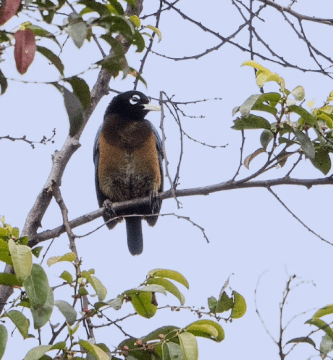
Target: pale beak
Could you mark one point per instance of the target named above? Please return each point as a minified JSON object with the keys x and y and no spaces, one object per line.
{"x":151,"y":107}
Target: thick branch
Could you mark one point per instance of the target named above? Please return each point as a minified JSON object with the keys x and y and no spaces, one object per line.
{"x":62,"y":157}
{"x":205,"y":190}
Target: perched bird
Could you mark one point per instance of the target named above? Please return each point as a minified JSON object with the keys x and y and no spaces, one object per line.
{"x":128,"y":163}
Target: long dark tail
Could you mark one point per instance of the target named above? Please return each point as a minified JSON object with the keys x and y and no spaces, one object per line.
{"x":134,"y":235}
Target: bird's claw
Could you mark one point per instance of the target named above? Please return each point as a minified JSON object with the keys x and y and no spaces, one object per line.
{"x":107,"y":204}
{"x":155,"y":201}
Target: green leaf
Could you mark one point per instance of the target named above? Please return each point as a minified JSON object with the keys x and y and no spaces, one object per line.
{"x":250,"y":157}
{"x":101,"y":9}
{"x":42,"y":314}
{"x":189,"y":346}
{"x":94,"y":350}
{"x":308,"y":118}
{"x":169,"y":286}
{"x":80,"y":89}
{"x":298,"y":93}
{"x":142,"y":303}
{"x":23,"y":240}
{"x":212,"y":303}
{"x":20,"y":321}
{"x":38,"y":31}
{"x":156,"y":31}
{"x":164,"y":330}
{"x":40,"y":295}
{"x":133,"y":3}
{"x":169,"y":274}
{"x":225,"y":303}
{"x":256,"y":66}
{"x":135,"y":20}
{"x":99,"y":288}
{"x":148,"y":288}
{"x":4,"y":251}
{"x":251,"y":122}
{"x":265,"y":138}
{"x":37,"y":352}
{"x":328,"y":118}
{"x":248,"y":104}
{"x":15,"y":232}
{"x":22,"y":259}
{"x":304,"y":339}
{"x":326,"y":346}
{"x":138,"y":41}
{"x":36,"y":251}
{"x":47,"y":10}
{"x":78,"y":31}
{"x":67,"y":277}
{"x":322,"y":161}
{"x":206,"y":328}
{"x":326,"y":310}
{"x":171,"y":351}
{"x":67,"y":310}
{"x":9,"y":280}
{"x":321,"y":324}
{"x":74,"y":109}
{"x":3,"y":340}
{"x":51,"y":56}
{"x":306,"y":144}
{"x":70,"y":257}
{"x":239,"y":308}
{"x":117,"y":6}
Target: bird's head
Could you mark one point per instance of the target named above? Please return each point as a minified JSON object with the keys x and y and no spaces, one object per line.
{"x":132,"y":105}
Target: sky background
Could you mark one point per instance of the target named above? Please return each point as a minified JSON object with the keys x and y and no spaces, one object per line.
{"x":250,"y":233}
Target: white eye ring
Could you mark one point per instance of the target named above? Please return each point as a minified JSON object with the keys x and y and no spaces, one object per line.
{"x":134,"y":99}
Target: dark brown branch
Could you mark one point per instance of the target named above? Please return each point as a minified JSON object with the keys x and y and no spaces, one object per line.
{"x":205,"y":190}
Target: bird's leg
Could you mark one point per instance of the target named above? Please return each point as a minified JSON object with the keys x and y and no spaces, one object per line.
{"x":155,"y":201}
{"x":107,"y":204}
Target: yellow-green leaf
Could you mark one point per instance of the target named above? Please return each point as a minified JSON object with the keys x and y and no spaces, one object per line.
{"x":22,"y":259}
{"x":239,"y":308}
{"x":169,"y":274}
{"x":67,"y":257}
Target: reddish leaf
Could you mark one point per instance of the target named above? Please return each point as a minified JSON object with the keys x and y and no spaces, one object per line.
{"x":9,"y":10}
{"x":25,"y":48}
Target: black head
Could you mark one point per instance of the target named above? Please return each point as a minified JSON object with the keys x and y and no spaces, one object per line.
{"x":133,"y":105}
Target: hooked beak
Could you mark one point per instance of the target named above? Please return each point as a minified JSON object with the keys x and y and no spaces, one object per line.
{"x":151,"y":107}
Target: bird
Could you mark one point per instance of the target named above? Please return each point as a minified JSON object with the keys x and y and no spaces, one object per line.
{"x":128,"y":160}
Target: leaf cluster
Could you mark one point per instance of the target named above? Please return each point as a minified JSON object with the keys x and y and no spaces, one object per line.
{"x":310,"y":135}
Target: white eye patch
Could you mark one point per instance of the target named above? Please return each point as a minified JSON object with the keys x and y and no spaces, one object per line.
{"x":134,"y":99}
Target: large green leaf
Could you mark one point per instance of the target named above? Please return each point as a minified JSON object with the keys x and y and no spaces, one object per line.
{"x":169,"y":286}
{"x":3,"y":340}
{"x":40,"y":296}
{"x":22,"y":259}
{"x":322,"y":160}
{"x":9,"y":280}
{"x":306,"y":144}
{"x":101,"y":9}
{"x":94,"y":350}
{"x":142,"y":303}
{"x":189,"y":346}
{"x":20,"y":321}
{"x":67,"y":257}
{"x":169,"y":274}
{"x":304,"y":339}
{"x":172,"y":351}
{"x":67,"y":310}
{"x":326,"y":310}
{"x":321,"y":324}
{"x":81,"y":90}
{"x":309,"y":119}
{"x":224,"y":303}
{"x":37,"y":352}
{"x":239,"y":308}
{"x":206,"y":328}
{"x":4,"y":251}
{"x":251,"y":122}
{"x":74,"y":109}
{"x":55,"y":60}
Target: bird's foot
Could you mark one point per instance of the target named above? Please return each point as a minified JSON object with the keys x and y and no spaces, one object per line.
{"x":155,"y":201}
{"x":107,"y":204}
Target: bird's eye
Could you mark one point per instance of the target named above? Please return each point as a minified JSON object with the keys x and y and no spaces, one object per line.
{"x":134,"y":99}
